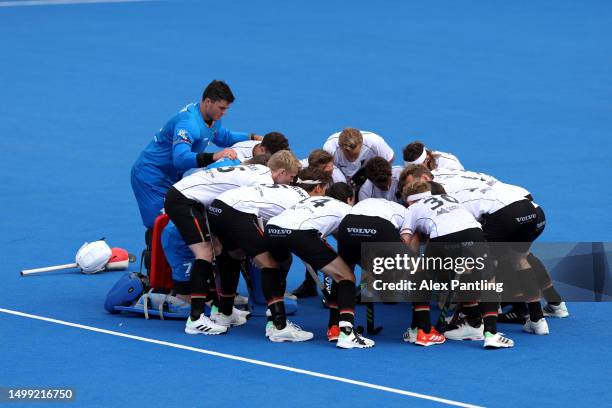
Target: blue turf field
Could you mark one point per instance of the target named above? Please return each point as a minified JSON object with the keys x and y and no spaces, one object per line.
{"x":521,"y":90}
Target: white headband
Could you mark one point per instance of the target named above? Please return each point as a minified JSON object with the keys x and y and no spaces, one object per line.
{"x":417,"y":197}
{"x":310,"y":182}
{"x":419,"y":160}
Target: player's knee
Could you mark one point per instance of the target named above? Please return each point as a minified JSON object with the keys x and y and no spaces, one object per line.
{"x":265,"y":260}
{"x":202,"y":250}
{"x":339,"y":270}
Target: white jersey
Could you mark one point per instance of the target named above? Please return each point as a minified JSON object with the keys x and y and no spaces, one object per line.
{"x":379,"y":207}
{"x":369,"y":190}
{"x":373,"y":145}
{"x":314,"y":213}
{"x":264,"y":201}
{"x":447,"y":161}
{"x":205,"y":185}
{"x":518,"y":190}
{"x":436,"y":216}
{"x":244,"y":150}
{"x":457,"y":180}
{"x":480,"y":201}
{"x":337,"y":175}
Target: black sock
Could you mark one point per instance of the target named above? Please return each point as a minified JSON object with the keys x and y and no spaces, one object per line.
{"x":520,"y":308}
{"x":272,"y":289}
{"x":346,"y":301}
{"x":332,"y":303}
{"x":551,"y":295}
{"x":200,"y":286}
{"x":472,"y":313}
{"x":489,"y":316}
{"x":229,"y":273}
{"x":334,"y":315}
{"x":283,"y":282}
{"x":279,"y":317}
{"x":535,"y":311}
{"x":544,"y":280}
{"x":420,"y":317}
{"x":271,"y":284}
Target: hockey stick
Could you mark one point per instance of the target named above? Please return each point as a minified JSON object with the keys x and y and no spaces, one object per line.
{"x":48,"y":269}
{"x":446,"y":308}
{"x":120,"y":260}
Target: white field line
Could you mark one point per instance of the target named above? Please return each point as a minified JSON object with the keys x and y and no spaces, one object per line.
{"x":245,"y":360}
{"x":31,"y":3}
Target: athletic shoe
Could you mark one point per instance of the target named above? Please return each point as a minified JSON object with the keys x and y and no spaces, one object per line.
{"x":291,"y":332}
{"x":419,"y":337}
{"x":511,"y":317}
{"x":333,"y":333}
{"x":240,"y":300}
{"x":306,"y":289}
{"x":539,"y":327}
{"x":244,"y":313}
{"x":203,"y":326}
{"x":555,"y":311}
{"x":464,"y":331}
{"x":353,"y":340}
{"x":493,"y":341}
{"x":269,"y":327}
{"x":410,"y":335}
{"x":235,"y":319}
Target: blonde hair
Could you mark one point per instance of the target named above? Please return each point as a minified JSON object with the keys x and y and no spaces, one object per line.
{"x":415,"y":188}
{"x":350,"y":138}
{"x":284,"y":159}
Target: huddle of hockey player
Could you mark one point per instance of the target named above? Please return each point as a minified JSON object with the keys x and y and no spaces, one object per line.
{"x":256,"y":199}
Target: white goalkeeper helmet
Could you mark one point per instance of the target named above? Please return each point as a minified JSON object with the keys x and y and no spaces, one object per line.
{"x":92,"y":257}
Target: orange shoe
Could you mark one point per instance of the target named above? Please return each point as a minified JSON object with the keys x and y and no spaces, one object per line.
{"x":429,"y":339}
{"x":333,"y":333}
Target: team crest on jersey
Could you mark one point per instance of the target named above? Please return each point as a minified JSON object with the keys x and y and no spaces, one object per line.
{"x":182,"y":137}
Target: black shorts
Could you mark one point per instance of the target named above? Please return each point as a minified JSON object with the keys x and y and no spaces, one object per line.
{"x":306,"y":244}
{"x":466,"y":243}
{"x":355,"y":229}
{"x":519,"y":222}
{"x":188,"y":216}
{"x":470,"y":253}
{"x":236,"y":229}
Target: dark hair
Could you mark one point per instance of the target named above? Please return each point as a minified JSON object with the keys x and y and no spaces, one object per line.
{"x":413,"y":150}
{"x":275,"y":141}
{"x":378,"y":171}
{"x":319,"y":158}
{"x":340,"y":191}
{"x":414,"y":170}
{"x":218,"y":91}
{"x":437,"y":188}
{"x":311,"y":173}
{"x":259,"y":159}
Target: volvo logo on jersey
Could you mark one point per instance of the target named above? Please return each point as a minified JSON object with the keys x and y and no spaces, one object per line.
{"x":361,"y":231}
{"x":279,"y":231}
{"x":215,"y":210}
